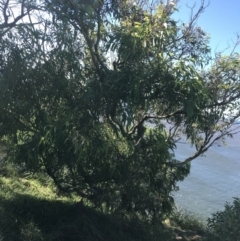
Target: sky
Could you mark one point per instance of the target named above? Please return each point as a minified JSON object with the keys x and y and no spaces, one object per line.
{"x":221,"y":20}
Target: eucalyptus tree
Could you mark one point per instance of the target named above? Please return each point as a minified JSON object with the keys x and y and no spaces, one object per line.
{"x":98,"y":93}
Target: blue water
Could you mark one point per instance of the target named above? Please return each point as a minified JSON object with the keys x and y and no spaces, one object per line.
{"x":213,"y":180}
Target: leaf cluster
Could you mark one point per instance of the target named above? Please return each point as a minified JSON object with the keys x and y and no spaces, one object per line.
{"x":98,"y":93}
{"x":224,"y":225}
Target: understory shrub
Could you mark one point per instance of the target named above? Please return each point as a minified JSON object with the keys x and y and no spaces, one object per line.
{"x":225,"y":225}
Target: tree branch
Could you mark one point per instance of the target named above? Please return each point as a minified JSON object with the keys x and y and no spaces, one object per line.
{"x":207,"y":144}
{"x":94,"y":53}
{"x":133,"y":129}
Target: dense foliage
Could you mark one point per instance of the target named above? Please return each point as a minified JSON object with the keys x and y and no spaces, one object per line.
{"x":97,"y":94}
{"x":31,"y":210}
{"x":225,"y":225}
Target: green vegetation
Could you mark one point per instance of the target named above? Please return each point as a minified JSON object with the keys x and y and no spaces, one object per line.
{"x":225,"y":225}
{"x":33,"y":210}
{"x":188,"y":221}
{"x":95,"y":95}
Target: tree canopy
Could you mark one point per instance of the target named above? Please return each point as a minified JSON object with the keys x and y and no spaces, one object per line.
{"x":97,"y":93}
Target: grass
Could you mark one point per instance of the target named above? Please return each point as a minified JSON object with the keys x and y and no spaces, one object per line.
{"x":31,"y":209}
{"x":187,"y":220}
{"x":187,"y":226}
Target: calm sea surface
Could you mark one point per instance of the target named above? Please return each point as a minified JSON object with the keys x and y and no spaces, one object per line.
{"x":213,"y":180}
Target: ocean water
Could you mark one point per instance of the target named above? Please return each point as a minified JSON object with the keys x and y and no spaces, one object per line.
{"x":213,"y":180}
